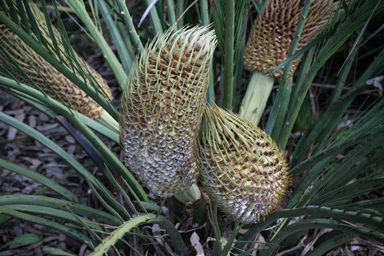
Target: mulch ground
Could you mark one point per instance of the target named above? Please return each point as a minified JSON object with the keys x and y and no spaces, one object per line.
{"x":18,"y":148}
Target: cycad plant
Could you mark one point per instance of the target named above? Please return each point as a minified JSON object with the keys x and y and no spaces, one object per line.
{"x":301,"y":192}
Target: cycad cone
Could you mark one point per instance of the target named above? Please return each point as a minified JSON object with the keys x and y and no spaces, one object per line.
{"x":51,"y":81}
{"x":240,"y":165}
{"x":269,"y":42}
{"x":162,"y":107}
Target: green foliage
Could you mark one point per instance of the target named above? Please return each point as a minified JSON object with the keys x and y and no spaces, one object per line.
{"x":327,"y":186}
{"x":26,"y":238}
{"x":229,"y":26}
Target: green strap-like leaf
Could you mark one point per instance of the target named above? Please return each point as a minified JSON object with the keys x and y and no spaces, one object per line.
{"x":124,"y":11}
{"x":23,"y":239}
{"x":111,"y":159}
{"x":335,"y":175}
{"x":119,"y":233}
{"x":319,"y":133}
{"x":58,"y":214}
{"x":49,"y":112}
{"x":125,"y":57}
{"x":229,"y":28}
{"x":49,"y":223}
{"x":48,"y":143}
{"x":314,"y":211}
{"x":335,"y":149}
{"x":359,"y":18}
{"x":39,"y":178}
{"x":57,"y":251}
{"x":155,"y":19}
{"x":44,"y":201}
{"x":114,"y":64}
{"x":279,"y":109}
{"x":350,"y":191}
{"x":321,"y":223}
{"x":333,"y":242}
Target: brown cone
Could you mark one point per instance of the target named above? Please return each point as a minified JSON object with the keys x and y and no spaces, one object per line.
{"x":272,"y":34}
{"x":44,"y":75}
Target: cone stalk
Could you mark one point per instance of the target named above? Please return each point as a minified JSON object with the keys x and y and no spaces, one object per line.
{"x":256,"y":97}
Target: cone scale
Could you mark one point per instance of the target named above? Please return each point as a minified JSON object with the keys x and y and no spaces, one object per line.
{"x":240,"y":165}
{"x":162,"y":108}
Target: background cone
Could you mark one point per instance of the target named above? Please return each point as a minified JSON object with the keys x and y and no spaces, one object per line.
{"x":272,"y":34}
{"x":269,"y":43}
{"x":44,"y":75}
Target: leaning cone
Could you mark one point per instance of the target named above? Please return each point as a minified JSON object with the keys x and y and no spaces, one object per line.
{"x":240,"y":165}
{"x":162,"y":108}
{"x":274,"y":29}
{"x":44,"y":75}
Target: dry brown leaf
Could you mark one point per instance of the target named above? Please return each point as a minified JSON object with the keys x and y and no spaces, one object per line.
{"x":35,"y":162}
{"x":19,"y":115}
{"x":195,"y":241}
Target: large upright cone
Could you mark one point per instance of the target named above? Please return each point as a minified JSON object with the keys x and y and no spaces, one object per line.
{"x":274,"y":29}
{"x":240,"y":165}
{"x":45,"y":75}
{"x":162,"y":107}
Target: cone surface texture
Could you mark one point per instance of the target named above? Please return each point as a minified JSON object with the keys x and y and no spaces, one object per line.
{"x":274,"y":29}
{"x":162,"y":108}
{"x":240,"y":166}
{"x":44,"y":75}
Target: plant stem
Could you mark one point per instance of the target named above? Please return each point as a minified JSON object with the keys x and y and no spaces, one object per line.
{"x":256,"y":96}
{"x":205,"y":22}
{"x":126,"y":40}
{"x":128,"y":22}
{"x":179,"y":13}
{"x":190,"y":195}
{"x":125,"y":57}
{"x":211,"y":90}
{"x":204,"y":12}
{"x":155,"y":20}
{"x":229,"y":53}
{"x":171,"y":12}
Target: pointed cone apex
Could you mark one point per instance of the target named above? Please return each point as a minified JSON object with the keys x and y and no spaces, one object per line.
{"x":45,"y":76}
{"x":162,"y":107}
{"x":240,"y":166}
{"x":273,"y":31}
